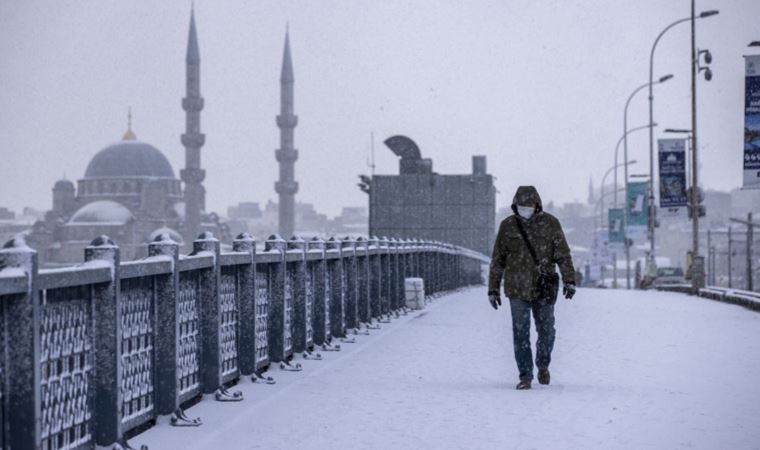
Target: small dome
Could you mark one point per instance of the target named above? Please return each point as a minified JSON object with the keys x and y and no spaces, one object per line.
{"x":129,"y":159}
{"x":63,"y":185}
{"x":103,"y":212}
{"x":176,"y":237}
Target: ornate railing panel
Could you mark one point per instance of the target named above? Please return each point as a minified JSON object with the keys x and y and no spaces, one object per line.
{"x":287,"y":306}
{"x":188,"y":339}
{"x":262,"y":315}
{"x":137,"y":356}
{"x":66,"y":363}
{"x":309,"y":304}
{"x":228,"y":299}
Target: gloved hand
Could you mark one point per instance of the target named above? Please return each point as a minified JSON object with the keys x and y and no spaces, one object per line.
{"x":494,"y":299}
{"x":568,"y":290}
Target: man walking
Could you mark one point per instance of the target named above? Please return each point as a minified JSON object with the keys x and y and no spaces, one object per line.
{"x":528,"y":244}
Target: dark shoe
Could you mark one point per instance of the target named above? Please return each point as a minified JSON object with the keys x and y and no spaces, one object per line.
{"x":543,"y":376}
{"x":523,"y":384}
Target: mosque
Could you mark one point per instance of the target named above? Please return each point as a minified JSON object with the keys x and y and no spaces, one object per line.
{"x":130,"y":192}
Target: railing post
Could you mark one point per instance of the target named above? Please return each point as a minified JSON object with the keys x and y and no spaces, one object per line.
{"x":337,"y":281}
{"x":385,"y":276}
{"x":279,"y":349}
{"x":107,"y":318}
{"x":394,"y":274}
{"x":316,"y":270}
{"x":363,"y":280}
{"x":375,"y":278}
{"x":210,"y":320}
{"x":350,"y":269}
{"x":245,"y":243}
{"x":301,"y":325}
{"x":166,"y":386}
{"x":20,"y":404}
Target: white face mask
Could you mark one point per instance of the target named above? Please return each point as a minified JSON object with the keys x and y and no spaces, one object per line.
{"x":526,"y":211}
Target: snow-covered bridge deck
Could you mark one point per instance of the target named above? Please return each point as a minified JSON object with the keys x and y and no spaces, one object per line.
{"x":630,"y":370}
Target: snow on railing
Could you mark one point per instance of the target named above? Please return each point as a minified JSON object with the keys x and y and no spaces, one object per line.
{"x":120,"y":344}
{"x":748,"y":299}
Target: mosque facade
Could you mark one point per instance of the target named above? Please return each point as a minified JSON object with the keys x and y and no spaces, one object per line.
{"x":130,"y":192}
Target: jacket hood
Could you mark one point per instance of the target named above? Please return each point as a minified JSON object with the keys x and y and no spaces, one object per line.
{"x":525,"y":195}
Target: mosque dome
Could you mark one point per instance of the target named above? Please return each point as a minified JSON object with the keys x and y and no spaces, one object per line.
{"x":129,"y":159}
{"x":102,"y":212}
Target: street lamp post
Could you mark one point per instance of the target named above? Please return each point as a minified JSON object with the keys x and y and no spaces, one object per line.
{"x":625,"y":172}
{"x":697,"y":267}
{"x":691,"y":19}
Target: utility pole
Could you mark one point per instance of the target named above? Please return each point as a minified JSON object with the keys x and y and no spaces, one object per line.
{"x":695,"y":274}
{"x":730,"y":278}
{"x":710,"y":268}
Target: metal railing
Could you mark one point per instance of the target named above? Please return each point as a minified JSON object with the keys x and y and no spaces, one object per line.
{"x":96,"y":352}
{"x":748,"y":299}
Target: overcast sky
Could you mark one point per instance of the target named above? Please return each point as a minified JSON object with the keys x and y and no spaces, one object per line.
{"x":537,"y":86}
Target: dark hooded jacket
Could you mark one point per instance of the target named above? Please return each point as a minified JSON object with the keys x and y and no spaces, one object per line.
{"x":511,"y":259}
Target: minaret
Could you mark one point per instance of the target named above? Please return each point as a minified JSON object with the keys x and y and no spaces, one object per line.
{"x":193,"y":139}
{"x":286,"y":155}
{"x":591,"y":197}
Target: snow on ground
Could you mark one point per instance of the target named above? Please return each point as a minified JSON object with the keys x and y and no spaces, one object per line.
{"x":629,"y":370}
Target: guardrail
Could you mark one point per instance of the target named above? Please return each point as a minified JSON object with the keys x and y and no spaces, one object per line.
{"x":748,"y":299}
{"x":94,"y":353}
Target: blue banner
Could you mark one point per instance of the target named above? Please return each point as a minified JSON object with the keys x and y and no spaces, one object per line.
{"x":752,"y":122}
{"x":672,"y":156}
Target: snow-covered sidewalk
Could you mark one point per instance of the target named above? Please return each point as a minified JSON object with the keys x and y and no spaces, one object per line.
{"x":629,"y":370}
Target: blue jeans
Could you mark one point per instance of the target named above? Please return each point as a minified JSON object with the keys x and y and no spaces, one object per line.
{"x":543,"y":314}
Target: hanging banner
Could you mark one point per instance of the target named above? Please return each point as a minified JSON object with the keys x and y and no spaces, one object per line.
{"x":616,"y":236}
{"x":638,"y":209}
{"x":672,"y":157}
{"x":752,"y":122}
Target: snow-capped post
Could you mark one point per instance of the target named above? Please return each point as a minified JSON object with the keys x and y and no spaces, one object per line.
{"x":245,"y":243}
{"x":335,"y":282}
{"x":398,"y":287}
{"x":385,"y":277}
{"x":165,"y":345}
{"x":107,"y":339}
{"x":301,"y":313}
{"x":279,"y":347}
{"x":20,"y":327}
{"x":374,"y":257}
{"x":348,"y":249}
{"x":363,"y":280}
{"x":210,"y":318}
{"x":321,"y":301}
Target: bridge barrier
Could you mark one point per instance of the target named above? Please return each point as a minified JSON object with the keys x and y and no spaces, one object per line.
{"x":96,"y":352}
{"x":748,"y":299}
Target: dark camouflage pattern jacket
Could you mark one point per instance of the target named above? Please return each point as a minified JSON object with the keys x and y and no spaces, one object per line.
{"x":511,"y":259}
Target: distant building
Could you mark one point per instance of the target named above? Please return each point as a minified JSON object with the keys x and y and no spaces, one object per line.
{"x":419,"y":203}
{"x":7,"y":214}
{"x":130,"y":192}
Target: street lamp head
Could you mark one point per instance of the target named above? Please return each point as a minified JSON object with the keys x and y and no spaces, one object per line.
{"x":677,"y":130}
{"x":712,"y":12}
{"x":708,"y":74}
{"x":754,"y":44}
{"x":665,"y":78}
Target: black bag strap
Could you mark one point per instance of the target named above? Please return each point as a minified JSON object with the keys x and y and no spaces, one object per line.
{"x":527,"y":242}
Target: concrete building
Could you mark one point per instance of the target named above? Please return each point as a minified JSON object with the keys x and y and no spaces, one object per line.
{"x":419,"y":203}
